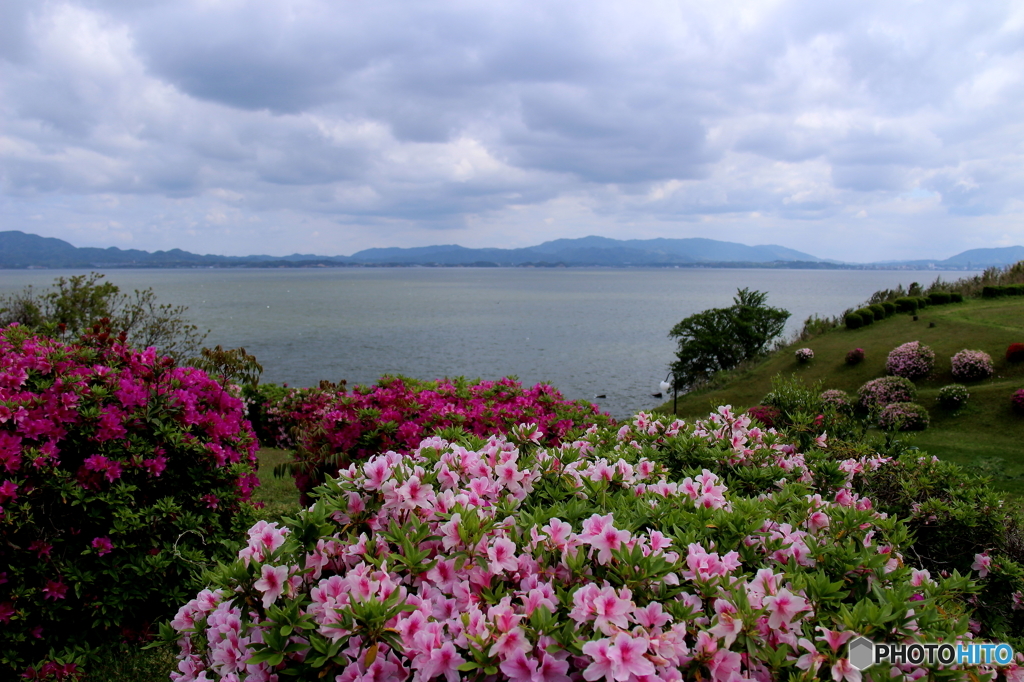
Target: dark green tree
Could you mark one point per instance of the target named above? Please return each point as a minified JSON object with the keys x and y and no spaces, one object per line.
{"x":73,"y":305}
{"x":721,"y":338}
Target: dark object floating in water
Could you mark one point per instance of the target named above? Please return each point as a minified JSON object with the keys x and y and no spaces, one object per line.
{"x":602,"y":395}
{"x":655,"y":395}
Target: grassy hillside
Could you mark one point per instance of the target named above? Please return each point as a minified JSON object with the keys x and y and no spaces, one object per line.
{"x":985,"y":434}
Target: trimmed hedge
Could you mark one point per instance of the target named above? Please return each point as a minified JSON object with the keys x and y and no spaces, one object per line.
{"x":907,"y":304}
{"x":878,"y":310}
{"x":853,"y":321}
{"x":890,"y":308}
{"x":939,"y":297}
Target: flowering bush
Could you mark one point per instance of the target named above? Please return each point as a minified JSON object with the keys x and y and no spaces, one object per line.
{"x":903,"y":417}
{"x":1017,"y":401}
{"x":766,"y":414}
{"x":1015,"y":352}
{"x":836,"y":399}
{"x":121,"y":476}
{"x":804,"y":355}
{"x":334,"y":427}
{"x":953,"y":397}
{"x":878,"y":393}
{"x":972,"y":365}
{"x":501,"y":559}
{"x":912,"y":360}
{"x":855,"y":356}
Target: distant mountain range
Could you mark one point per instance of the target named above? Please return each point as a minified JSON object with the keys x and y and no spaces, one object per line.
{"x":22,"y":250}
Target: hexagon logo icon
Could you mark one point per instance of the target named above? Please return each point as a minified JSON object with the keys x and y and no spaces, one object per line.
{"x":861,"y":653}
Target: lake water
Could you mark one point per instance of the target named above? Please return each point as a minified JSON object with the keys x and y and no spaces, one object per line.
{"x":587,"y":331}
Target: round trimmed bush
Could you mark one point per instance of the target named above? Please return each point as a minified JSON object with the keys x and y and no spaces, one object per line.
{"x":972,"y":365}
{"x":853,"y":321}
{"x":939,"y":297}
{"x":878,"y":310}
{"x":867,"y":315}
{"x":903,"y":417}
{"x":906,"y":304}
{"x":953,"y":396}
{"x":1017,"y":401}
{"x":122,"y":477}
{"x":890,"y":308}
{"x":1015,"y":352}
{"x":804,"y":355}
{"x":855,"y":356}
{"x":878,"y":393}
{"x":837,"y":400}
{"x":956,"y":297}
{"x":912,"y":360}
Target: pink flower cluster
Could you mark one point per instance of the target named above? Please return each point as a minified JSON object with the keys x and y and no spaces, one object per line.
{"x":972,"y":365}
{"x":513,"y":561}
{"x":878,"y":393}
{"x":904,"y":417}
{"x":328,"y":429}
{"x":804,"y":355}
{"x":913,"y":360}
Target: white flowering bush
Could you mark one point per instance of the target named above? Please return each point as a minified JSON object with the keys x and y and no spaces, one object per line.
{"x":500,"y":559}
{"x":953,"y":396}
{"x":912,"y":360}
{"x":804,"y":355}
{"x":972,"y":365}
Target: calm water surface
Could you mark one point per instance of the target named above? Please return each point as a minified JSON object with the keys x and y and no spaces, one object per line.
{"x":587,"y":331}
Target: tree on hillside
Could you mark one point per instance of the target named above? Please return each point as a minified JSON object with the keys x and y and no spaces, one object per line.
{"x":721,"y":338}
{"x":74,"y":304}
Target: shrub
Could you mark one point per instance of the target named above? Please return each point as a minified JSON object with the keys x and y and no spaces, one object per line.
{"x":503,"y":560}
{"x":953,"y":397}
{"x":878,"y":311}
{"x":1015,"y":352}
{"x":890,"y":308}
{"x":867,"y":315}
{"x":334,"y":427}
{"x":804,"y":355}
{"x":878,"y":393}
{"x":972,"y":365}
{"x":123,"y":477}
{"x":923,"y":302}
{"x":903,"y":417}
{"x":939,"y":297}
{"x":1017,"y":401}
{"x":855,"y":356}
{"x":993,"y":291}
{"x":956,"y":297}
{"x":853,"y":320}
{"x":906,"y":304}
{"x":912,"y":360}
{"x":766,"y":414}
{"x":837,"y":400}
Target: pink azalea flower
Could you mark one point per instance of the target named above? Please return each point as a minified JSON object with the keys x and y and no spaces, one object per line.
{"x":783,"y":607}
{"x":502,"y":556}
{"x":102,"y":545}
{"x":834,"y":638}
{"x":443,"y":661}
{"x":272,"y":583}
{"x":55,"y":590}
{"x":982,"y":564}
{"x":842,"y":670}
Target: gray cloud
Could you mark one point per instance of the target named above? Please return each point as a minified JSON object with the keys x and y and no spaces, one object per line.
{"x":509,"y":123}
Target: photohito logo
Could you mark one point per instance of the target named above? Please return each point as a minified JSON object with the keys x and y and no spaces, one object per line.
{"x":863,"y":653}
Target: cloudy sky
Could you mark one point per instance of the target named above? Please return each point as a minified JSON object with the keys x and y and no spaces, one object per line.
{"x":859,"y":131}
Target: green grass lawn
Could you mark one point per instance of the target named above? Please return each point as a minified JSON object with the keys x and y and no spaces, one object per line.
{"x":985,"y":434}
